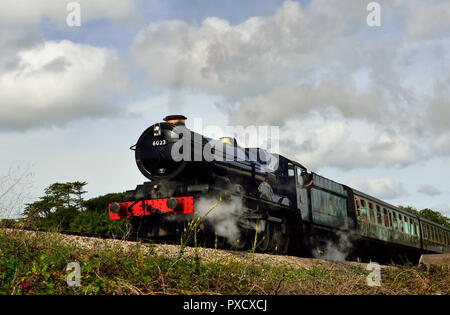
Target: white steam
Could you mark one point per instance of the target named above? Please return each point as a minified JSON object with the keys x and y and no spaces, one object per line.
{"x":335,"y":250}
{"x":224,"y":218}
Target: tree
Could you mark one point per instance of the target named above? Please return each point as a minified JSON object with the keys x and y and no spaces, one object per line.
{"x":58,"y":207}
{"x":435,"y":216}
{"x":410,"y":209}
{"x":77,"y":188}
{"x":100,"y":203}
{"x":429,"y":214}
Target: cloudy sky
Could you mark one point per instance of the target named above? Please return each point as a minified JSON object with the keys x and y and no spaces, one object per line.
{"x":365,"y":106}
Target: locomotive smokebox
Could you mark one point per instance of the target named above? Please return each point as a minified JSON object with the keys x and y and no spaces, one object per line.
{"x":153,"y":151}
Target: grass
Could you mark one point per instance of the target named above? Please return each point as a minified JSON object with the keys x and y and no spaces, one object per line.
{"x":37,"y":265}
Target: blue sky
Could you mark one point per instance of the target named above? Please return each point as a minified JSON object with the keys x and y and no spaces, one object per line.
{"x":366,"y":106}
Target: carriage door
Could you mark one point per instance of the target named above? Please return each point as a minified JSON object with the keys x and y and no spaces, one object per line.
{"x":302,"y":194}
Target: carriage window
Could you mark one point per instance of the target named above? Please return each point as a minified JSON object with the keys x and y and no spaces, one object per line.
{"x":424,"y":231}
{"x":361,"y":212}
{"x":417,"y":229}
{"x":395,"y":222}
{"x":412,"y":228}
{"x":371,"y":214}
{"x":406,"y":225}
{"x":386,"y":217}
{"x":363,"y":203}
{"x":364,"y":214}
{"x":400,"y":222}
{"x":379,"y":220}
{"x":358,"y":209}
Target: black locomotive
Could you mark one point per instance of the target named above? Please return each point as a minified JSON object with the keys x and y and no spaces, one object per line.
{"x":264,"y":197}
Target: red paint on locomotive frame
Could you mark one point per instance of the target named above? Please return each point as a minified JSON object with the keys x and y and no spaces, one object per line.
{"x":149,"y":207}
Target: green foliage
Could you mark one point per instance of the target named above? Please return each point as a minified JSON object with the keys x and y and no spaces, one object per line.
{"x":63,"y":208}
{"x":57,"y":196}
{"x":410,"y":209}
{"x":60,"y":219}
{"x":37,"y":265}
{"x":95,"y":218}
{"x":435,"y":217}
{"x":99,"y":223}
{"x":99,"y":204}
{"x":8,"y":223}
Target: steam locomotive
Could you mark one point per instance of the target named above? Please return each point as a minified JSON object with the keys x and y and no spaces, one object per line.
{"x":251,"y":197}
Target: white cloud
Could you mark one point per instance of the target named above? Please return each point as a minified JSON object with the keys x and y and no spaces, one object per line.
{"x":345,"y":144}
{"x":383,"y":188}
{"x":26,"y":12}
{"x":441,"y":143}
{"x":313,"y":57}
{"x":429,"y":19}
{"x":57,"y":82}
{"x":298,"y":100}
{"x":239,"y":60}
{"x":429,"y":190}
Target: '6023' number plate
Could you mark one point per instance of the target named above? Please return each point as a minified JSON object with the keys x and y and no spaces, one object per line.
{"x":158,"y":143}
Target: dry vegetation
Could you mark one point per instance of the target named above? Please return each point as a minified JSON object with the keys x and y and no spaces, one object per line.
{"x":35,"y":263}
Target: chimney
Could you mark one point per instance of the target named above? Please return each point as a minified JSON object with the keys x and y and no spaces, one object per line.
{"x":176,"y":119}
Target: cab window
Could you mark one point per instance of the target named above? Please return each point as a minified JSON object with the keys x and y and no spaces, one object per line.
{"x":291,"y":170}
{"x":299,"y":176}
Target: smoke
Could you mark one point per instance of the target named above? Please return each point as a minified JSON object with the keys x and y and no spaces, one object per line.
{"x":224,"y":218}
{"x":337,"y":250}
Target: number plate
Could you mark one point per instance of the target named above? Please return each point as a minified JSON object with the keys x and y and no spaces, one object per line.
{"x":159,"y":143}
